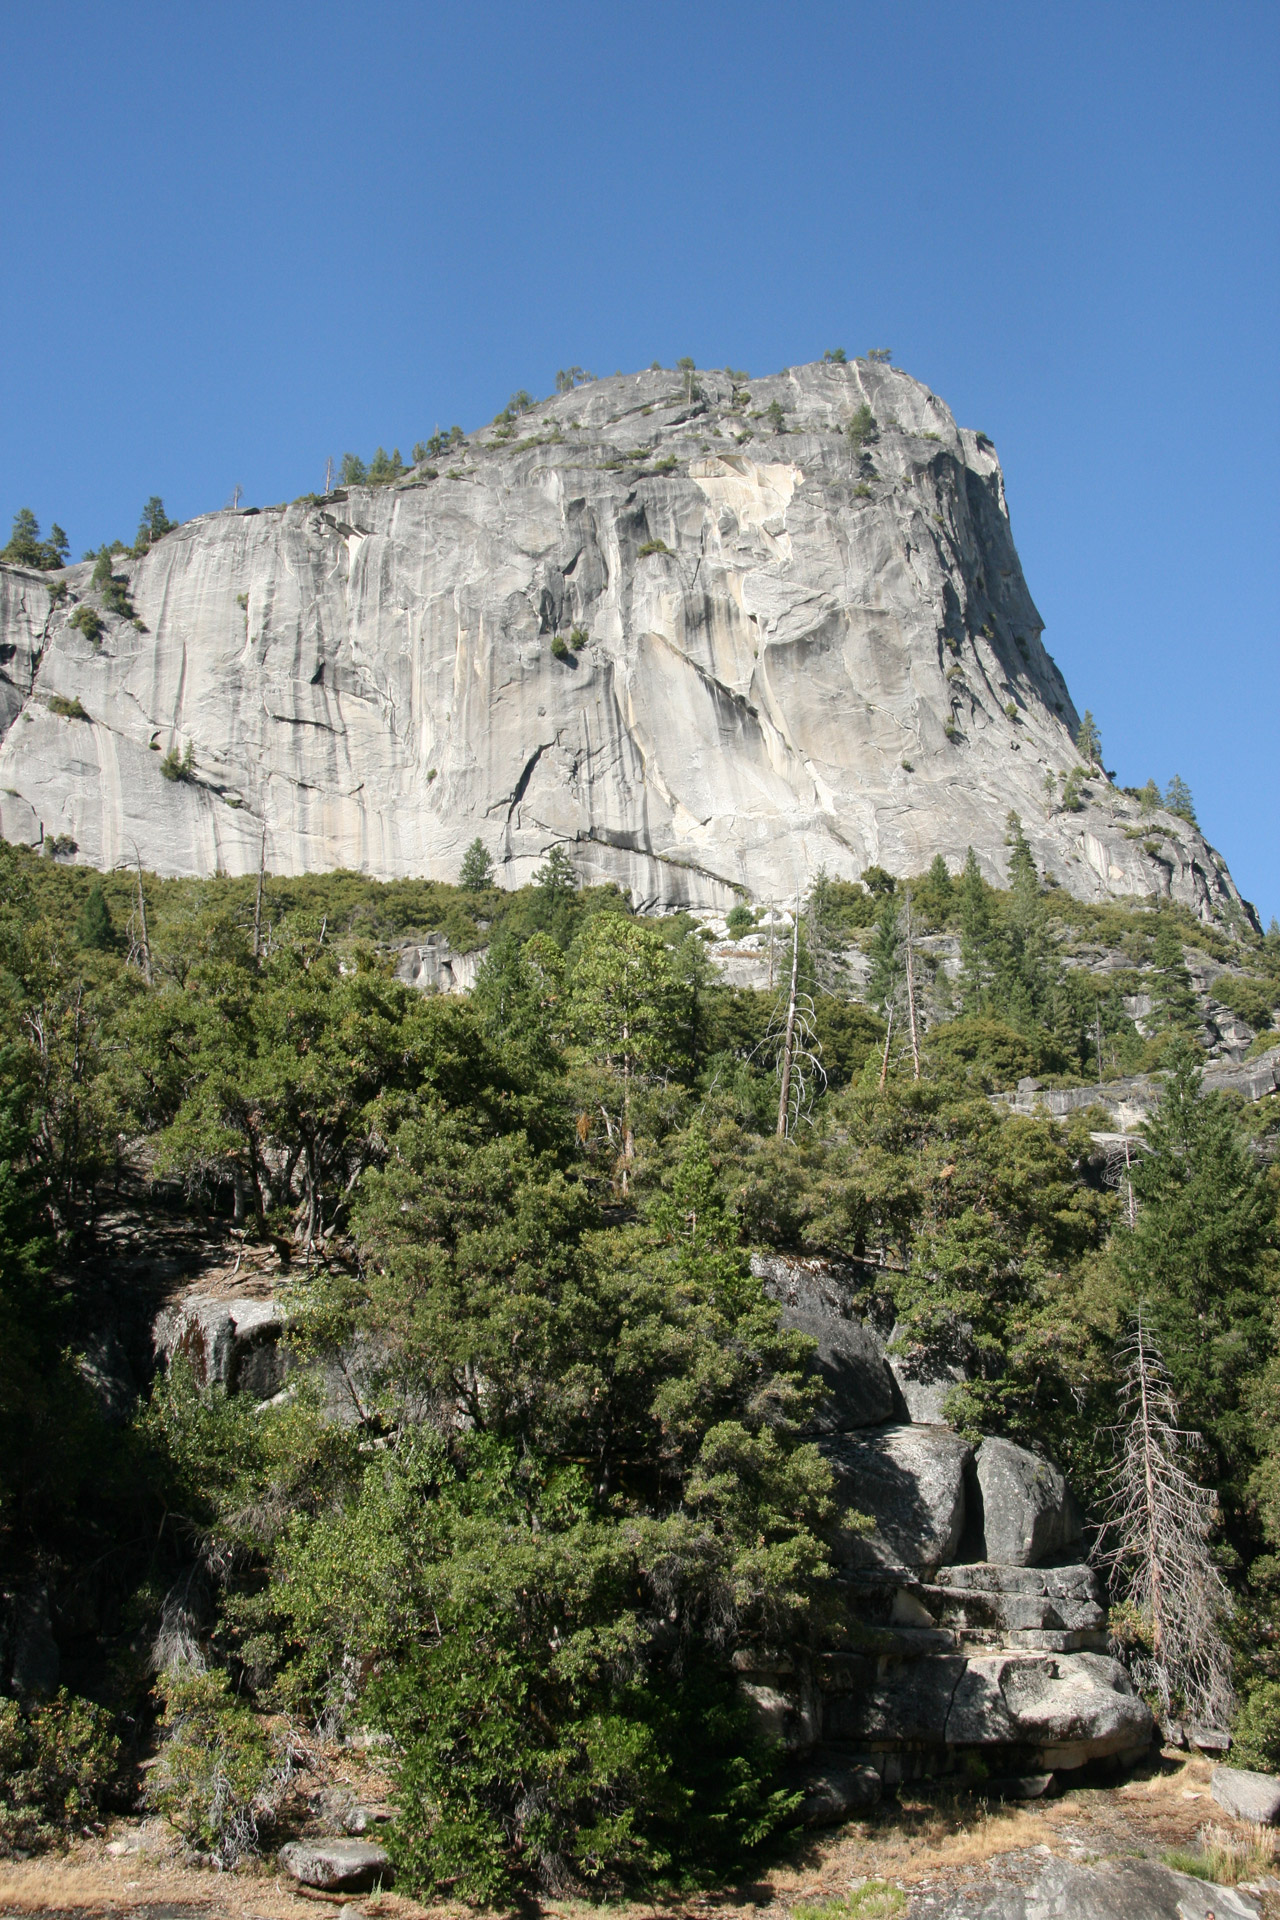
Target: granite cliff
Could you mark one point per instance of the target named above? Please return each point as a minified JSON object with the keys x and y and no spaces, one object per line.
{"x":708,"y":642}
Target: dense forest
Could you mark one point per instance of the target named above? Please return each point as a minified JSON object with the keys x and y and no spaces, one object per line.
{"x":575,"y":1479}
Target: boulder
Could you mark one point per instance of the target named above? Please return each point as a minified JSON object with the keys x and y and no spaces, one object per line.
{"x":1024,"y":1508}
{"x":338,"y":1866}
{"x":834,"y":1790}
{"x":1111,"y":1890}
{"x":850,"y":1360}
{"x":1247,"y":1796}
{"x":234,"y":1344}
{"x":1070,"y":1708}
{"x":911,"y":1482}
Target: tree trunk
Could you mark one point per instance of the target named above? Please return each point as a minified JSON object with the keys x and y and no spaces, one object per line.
{"x":784,"y":1096}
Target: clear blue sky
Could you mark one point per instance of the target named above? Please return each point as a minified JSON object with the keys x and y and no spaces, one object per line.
{"x":238,"y":239}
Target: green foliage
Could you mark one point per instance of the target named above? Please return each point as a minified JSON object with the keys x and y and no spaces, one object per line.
{"x":873,"y":1900}
{"x":1149,"y":797}
{"x":353,"y":472}
{"x":67,"y":709}
{"x":1199,"y":1261}
{"x":1177,"y":799}
{"x":1255,"y":1732}
{"x":739,"y":921}
{"x":179,"y":766}
{"x":476,"y":872}
{"x":1089,"y":742}
{"x":836,"y":356}
{"x":26,"y":548}
{"x":862,"y":427}
{"x":570,"y":377}
{"x":60,"y":1769}
{"x":89,"y":622}
{"x":879,"y":356}
{"x":560,"y":647}
{"x":218,"y":1779}
{"x":652,"y":546}
{"x":153,"y":525}
{"x":774,"y":414}
{"x":1253,"y":999}
{"x":95,"y":930}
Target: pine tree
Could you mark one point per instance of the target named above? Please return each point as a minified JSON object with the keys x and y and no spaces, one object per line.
{"x":1177,"y":799}
{"x":27,"y":549}
{"x":1089,"y":742}
{"x":977,"y":939}
{"x":94,"y":928}
{"x":476,"y":871}
{"x":1174,"y":1000}
{"x":153,"y":525}
{"x":556,"y":878}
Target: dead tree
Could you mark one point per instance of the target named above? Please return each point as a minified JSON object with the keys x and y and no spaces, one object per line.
{"x":911,"y":988}
{"x":1159,"y":1522}
{"x":788,"y":1043}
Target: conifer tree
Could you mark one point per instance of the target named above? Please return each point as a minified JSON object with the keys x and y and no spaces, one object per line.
{"x":977,"y":939}
{"x":1089,"y":742}
{"x":1174,"y":1000}
{"x":476,"y":871}
{"x":94,"y":928}
{"x":1177,"y":799}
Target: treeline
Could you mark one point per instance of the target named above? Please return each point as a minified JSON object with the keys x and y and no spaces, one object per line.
{"x":571,"y":1481}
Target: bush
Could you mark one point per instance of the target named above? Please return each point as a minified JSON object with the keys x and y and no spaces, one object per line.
{"x":66,"y":709}
{"x":652,"y":546}
{"x":560,"y":648}
{"x":1254,"y":1000}
{"x":59,"y":1768}
{"x":862,"y":427}
{"x":27,"y":549}
{"x":741,"y":920}
{"x":180,"y":766}
{"x":1255,"y":1734}
{"x":91,"y":624}
{"x":219,"y":1779}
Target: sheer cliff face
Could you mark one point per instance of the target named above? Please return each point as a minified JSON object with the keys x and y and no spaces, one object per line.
{"x":829,"y":658}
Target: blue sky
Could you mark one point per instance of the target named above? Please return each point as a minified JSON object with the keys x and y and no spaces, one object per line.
{"x":236,"y":240}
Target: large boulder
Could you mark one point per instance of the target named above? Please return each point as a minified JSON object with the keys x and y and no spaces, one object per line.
{"x":1071,"y":1708}
{"x":861,"y":1391}
{"x":910,"y":1481}
{"x":1109,"y":1890}
{"x":234,"y":1344}
{"x":1247,"y":1796}
{"x":337,"y":1866}
{"x":1025,"y":1510}
{"x":1059,"y":1710}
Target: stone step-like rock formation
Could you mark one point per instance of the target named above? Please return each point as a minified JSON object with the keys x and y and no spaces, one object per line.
{"x":706,"y":647}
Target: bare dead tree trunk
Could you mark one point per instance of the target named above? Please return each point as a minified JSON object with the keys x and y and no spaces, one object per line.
{"x":911,"y":992}
{"x":142,"y":920}
{"x":257,"y":905}
{"x":789,"y":1040}
{"x":884,"y":1058}
{"x":1161,"y":1521}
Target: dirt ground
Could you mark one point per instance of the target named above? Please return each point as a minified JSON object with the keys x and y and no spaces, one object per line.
{"x":936,"y":1849}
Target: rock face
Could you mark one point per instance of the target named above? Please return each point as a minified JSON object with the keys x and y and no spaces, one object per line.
{"x":1111,"y":1890}
{"x":850,"y":1360}
{"x":1028,"y":1513}
{"x":800,"y":652}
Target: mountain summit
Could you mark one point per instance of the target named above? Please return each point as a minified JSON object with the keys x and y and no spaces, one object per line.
{"x":707,"y":633}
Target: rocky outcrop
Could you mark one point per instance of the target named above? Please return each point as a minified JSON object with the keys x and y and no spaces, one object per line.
{"x":1109,"y":1890}
{"x":774,"y":649}
{"x":966,"y":1625}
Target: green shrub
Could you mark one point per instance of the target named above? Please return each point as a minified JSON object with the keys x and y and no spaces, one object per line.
{"x":578,"y":637}
{"x":652,"y":546}
{"x":219,"y":1779}
{"x":773,"y":413}
{"x":179,"y":766}
{"x":59,"y":1769}
{"x":873,"y":1900}
{"x":66,"y":709}
{"x":1253,"y":999}
{"x":741,"y":920}
{"x":88,"y":622}
{"x":1255,"y":1734}
{"x":27,"y":549}
{"x":560,"y":647}
{"x":862,"y":427}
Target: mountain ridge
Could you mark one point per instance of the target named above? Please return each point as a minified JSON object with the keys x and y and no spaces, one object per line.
{"x":710,"y":637}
